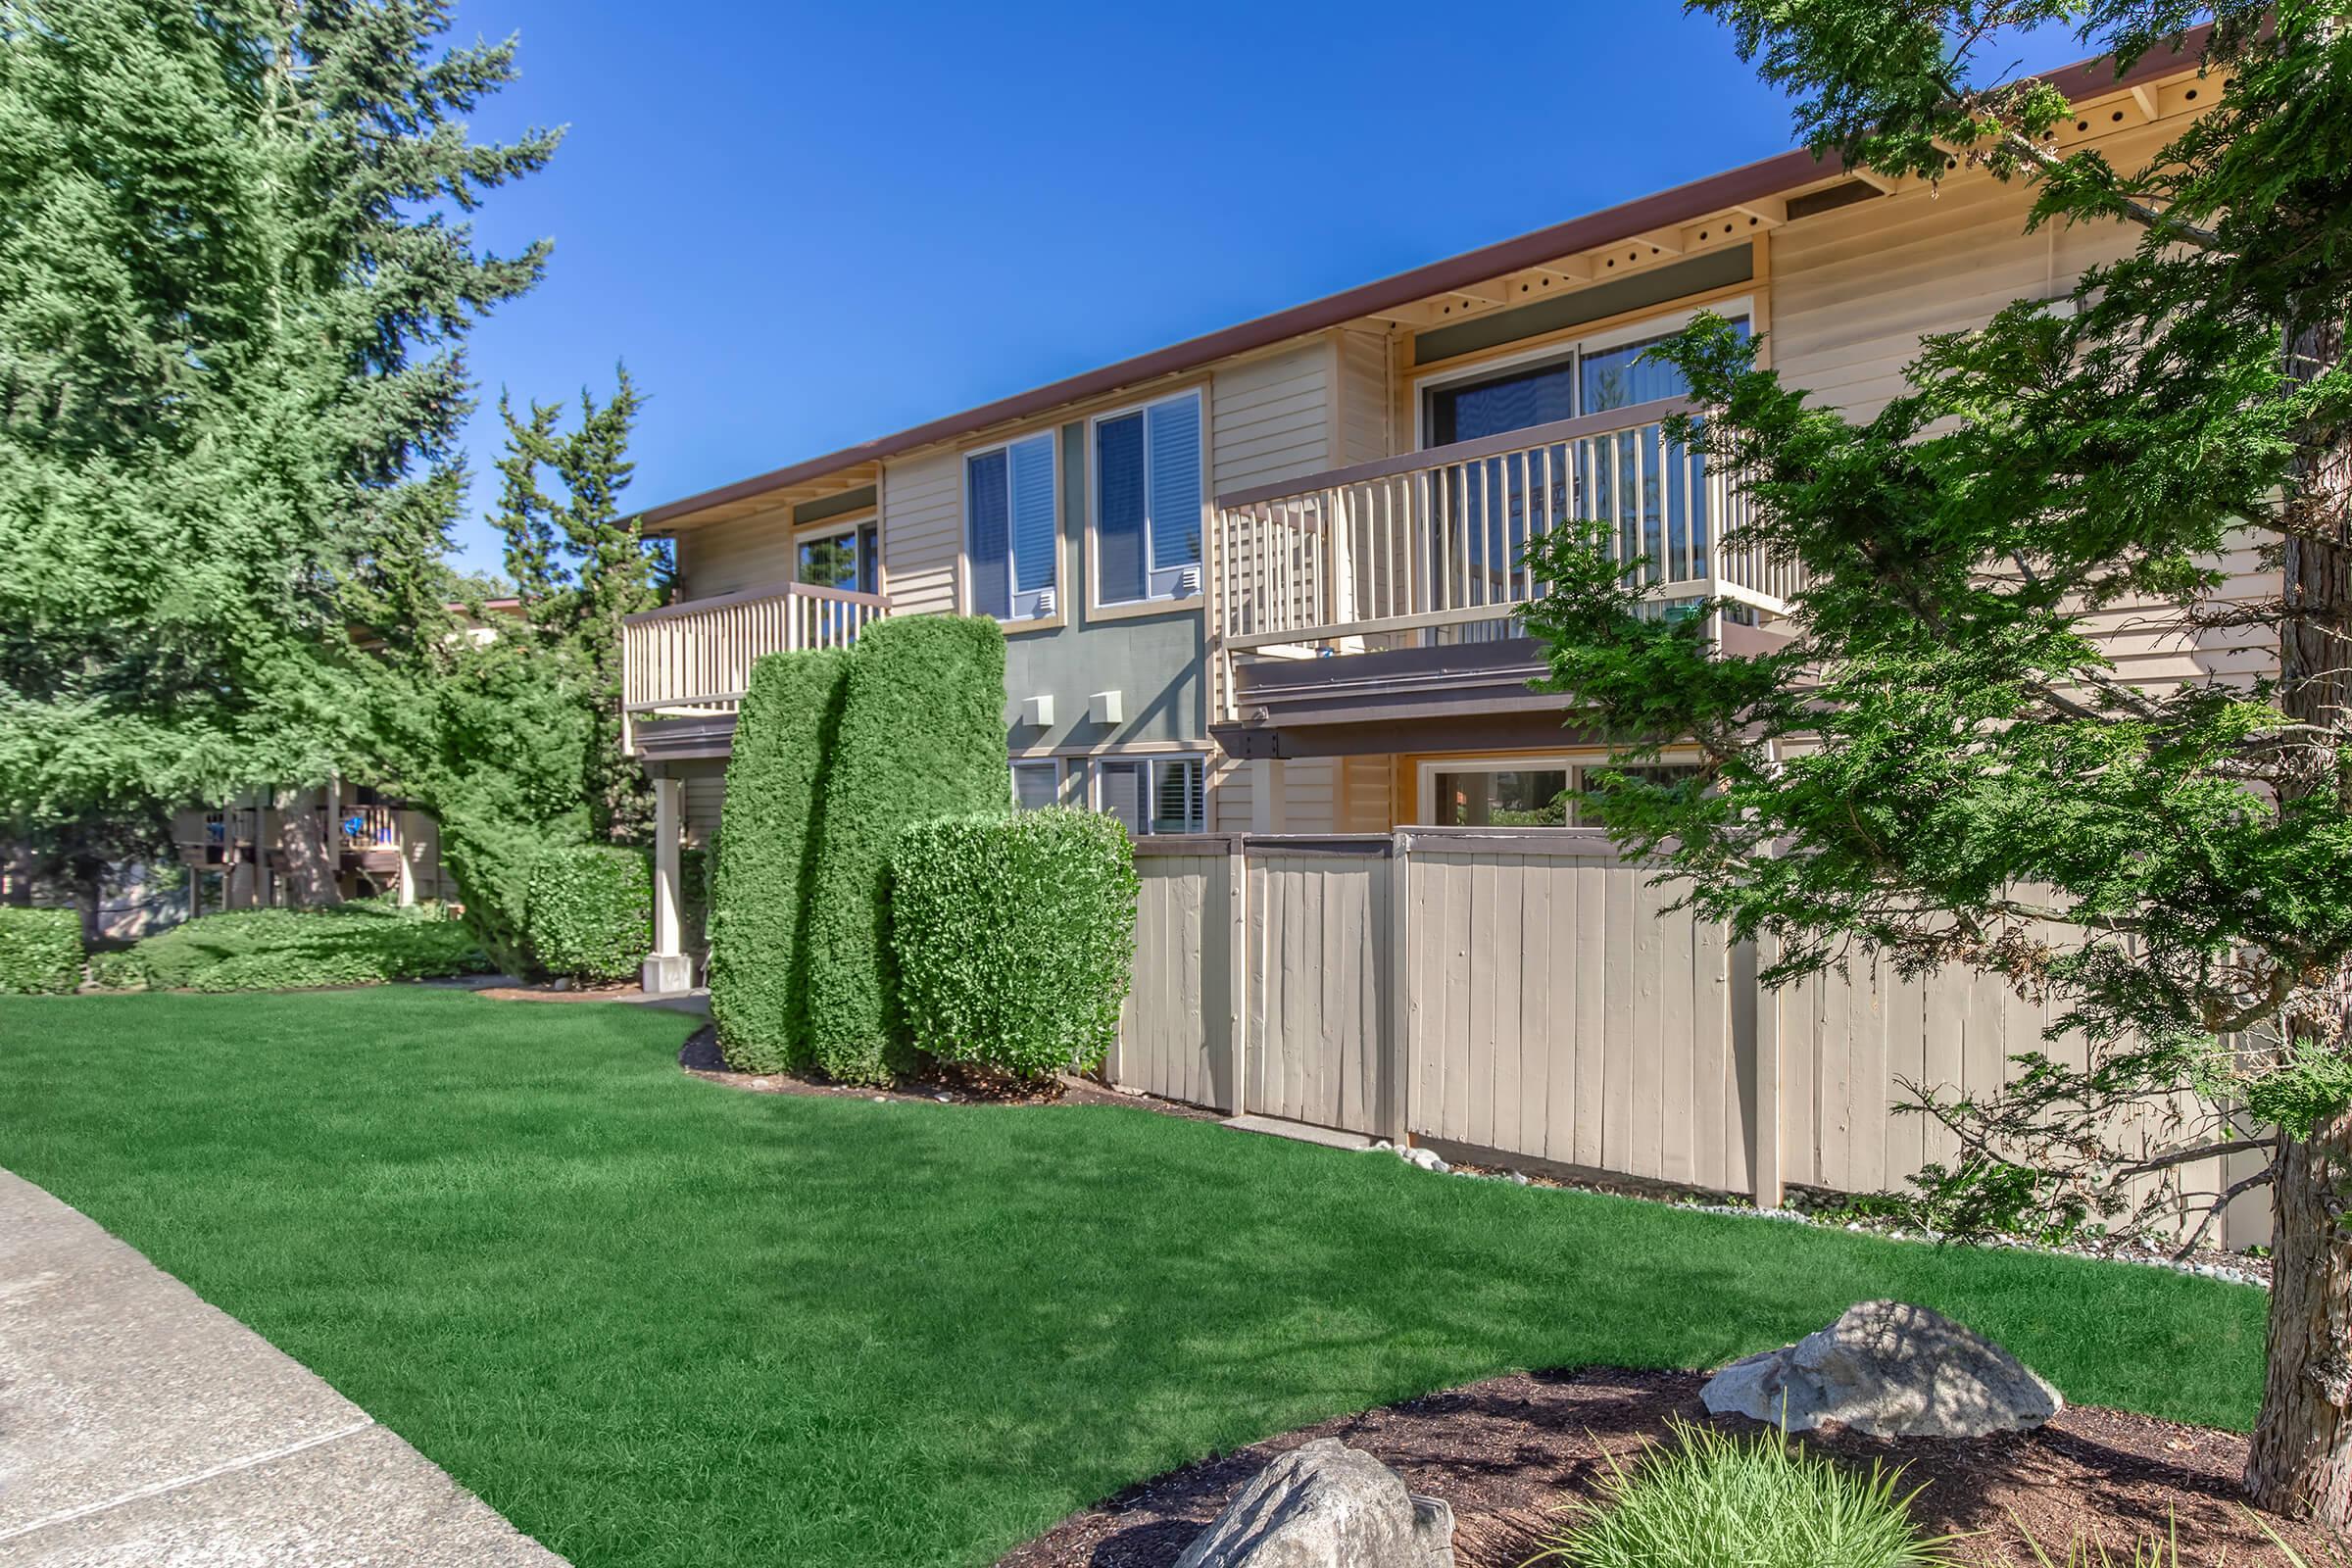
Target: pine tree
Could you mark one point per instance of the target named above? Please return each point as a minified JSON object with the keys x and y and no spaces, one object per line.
{"x":232,"y":295}
{"x":1943,"y":764}
{"x":581,"y":568}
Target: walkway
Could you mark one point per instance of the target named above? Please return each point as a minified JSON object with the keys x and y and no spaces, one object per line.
{"x":139,"y":1425}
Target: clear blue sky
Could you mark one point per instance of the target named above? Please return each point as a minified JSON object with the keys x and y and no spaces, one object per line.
{"x":804,"y":226}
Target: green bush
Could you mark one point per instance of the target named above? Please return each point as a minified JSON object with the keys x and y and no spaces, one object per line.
{"x":283,"y":950}
{"x":492,"y":862}
{"x":118,"y":970}
{"x":591,"y":911}
{"x":921,"y":737}
{"x":41,"y":950}
{"x":766,"y":857}
{"x":1014,"y":938}
{"x":1761,"y":1501}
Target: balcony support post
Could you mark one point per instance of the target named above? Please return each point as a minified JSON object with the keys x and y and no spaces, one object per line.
{"x":667,"y":971}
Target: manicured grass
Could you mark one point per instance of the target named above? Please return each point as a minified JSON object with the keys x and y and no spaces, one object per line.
{"x":656,"y":1321}
{"x":362,"y":942}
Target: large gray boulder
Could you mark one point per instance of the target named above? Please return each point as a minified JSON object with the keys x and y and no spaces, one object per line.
{"x":1326,"y":1505}
{"x":1893,"y":1370}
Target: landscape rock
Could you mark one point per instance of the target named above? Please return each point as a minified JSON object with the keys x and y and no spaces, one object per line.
{"x":1326,"y":1505}
{"x":1890,"y":1369}
{"x":1425,"y":1158}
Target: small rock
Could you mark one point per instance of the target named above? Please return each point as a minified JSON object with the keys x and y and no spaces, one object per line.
{"x":1891,"y":1370}
{"x":1326,"y":1505}
{"x":1519,"y":1179}
{"x":561,"y":984}
{"x":881,"y":1100}
{"x":942,"y":1099}
{"x":1426,"y":1159}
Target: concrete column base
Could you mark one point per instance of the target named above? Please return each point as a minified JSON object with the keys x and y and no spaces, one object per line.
{"x":666,"y":974}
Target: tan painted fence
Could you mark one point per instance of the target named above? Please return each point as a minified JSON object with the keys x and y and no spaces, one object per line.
{"x":1528,"y":994}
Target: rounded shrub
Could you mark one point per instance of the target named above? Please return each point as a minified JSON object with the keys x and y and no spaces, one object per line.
{"x":921,"y":737}
{"x":1014,"y":937}
{"x":41,"y":950}
{"x":590,"y":912}
{"x":765,"y":860}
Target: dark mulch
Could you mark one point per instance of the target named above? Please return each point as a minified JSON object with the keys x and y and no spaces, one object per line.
{"x":1510,"y":1453}
{"x":700,"y":1059}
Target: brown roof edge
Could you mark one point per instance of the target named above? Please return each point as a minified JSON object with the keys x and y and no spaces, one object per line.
{"x":1679,"y":203}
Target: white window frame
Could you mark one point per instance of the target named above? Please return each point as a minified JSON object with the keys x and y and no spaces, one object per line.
{"x":852,"y":525}
{"x":1573,"y":763}
{"x":1155,"y":760}
{"x":1043,"y":605}
{"x":1157,"y":592}
{"x":1061,"y":776}
{"x":1568,"y":351}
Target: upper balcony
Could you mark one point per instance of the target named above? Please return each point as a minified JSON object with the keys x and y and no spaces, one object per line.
{"x":685,"y":669}
{"x":1417,"y":562}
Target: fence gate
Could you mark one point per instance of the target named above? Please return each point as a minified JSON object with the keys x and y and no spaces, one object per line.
{"x":1319,"y":980}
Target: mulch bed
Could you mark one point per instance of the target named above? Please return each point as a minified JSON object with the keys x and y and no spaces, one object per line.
{"x":700,"y":1059}
{"x":1509,"y":1453}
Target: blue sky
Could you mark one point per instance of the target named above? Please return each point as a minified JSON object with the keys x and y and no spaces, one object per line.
{"x":804,"y":225}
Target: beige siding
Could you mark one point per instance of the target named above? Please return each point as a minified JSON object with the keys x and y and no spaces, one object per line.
{"x":922,"y":532}
{"x":1364,"y":396}
{"x":1365,"y":805}
{"x":1270,"y":418}
{"x":1854,"y":291}
{"x":705,"y":795}
{"x":726,"y":558}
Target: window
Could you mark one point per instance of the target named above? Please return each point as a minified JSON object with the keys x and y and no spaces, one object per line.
{"x":1147,"y":502}
{"x":1590,"y":377}
{"x":1010,"y":532}
{"x":1037,"y":785}
{"x":841,"y":558}
{"x":1155,"y":793}
{"x":1524,"y":792}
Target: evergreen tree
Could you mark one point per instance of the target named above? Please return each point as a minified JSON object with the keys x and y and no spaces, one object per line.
{"x":580,"y":567}
{"x":1943,"y":764}
{"x":232,"y":295}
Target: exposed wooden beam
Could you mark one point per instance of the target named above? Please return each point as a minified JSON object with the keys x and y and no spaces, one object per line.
{"x":2145,"y":96}
{"x":1669,"y":240}
{"x":1768,"y":210}
{"x":1567,"y":270}
{"x":1886,"y":184}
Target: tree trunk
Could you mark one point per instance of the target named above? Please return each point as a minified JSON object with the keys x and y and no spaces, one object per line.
{"x":2300,"y":1463}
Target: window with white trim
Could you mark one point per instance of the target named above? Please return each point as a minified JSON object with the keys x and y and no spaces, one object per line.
{"x":1037,"y":783}
{"x":1011,"y":529}
{"x":1154,"y":794}
{"x":1525,"y":792}
{"x":1148,"y":494}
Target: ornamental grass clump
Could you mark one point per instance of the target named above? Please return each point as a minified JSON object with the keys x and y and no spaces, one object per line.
{"x":1712,"y":1500}
{"x":1015,"y":938}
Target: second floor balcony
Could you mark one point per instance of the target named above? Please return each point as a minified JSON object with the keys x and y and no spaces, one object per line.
{"x":686,"y":668}
{"x":1427,"y":552}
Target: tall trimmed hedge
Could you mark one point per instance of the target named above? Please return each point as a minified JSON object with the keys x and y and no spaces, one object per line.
{"x":41,"y":950}
{"x":921,"y":737}
{"x":765,"y":862}
{"x":1014,"y":937}
{"x":590,"y":912}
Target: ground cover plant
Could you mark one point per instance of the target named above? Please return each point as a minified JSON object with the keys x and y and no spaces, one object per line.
{"x":360,"y":943}
{"x":656,"y":1321}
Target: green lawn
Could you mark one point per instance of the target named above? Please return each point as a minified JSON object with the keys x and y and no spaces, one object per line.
{"x":659,"y":1321}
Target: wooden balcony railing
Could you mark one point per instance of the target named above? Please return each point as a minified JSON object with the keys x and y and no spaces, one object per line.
{"x":366,"y":827}
{"x":695,"y":659}
{"x":1430,"y":547}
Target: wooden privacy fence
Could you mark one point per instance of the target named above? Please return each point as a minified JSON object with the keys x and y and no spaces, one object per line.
{"x":1528,"y":992}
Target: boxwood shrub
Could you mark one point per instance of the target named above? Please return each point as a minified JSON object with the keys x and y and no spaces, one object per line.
{"x":765,"y":859}
{"x":921,"y":737}
{"x":591,"y":911}
{"x":1015,"y":938}
{"x":41,"y":950}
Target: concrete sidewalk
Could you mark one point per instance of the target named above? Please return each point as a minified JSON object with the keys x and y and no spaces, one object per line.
{"x":139,"y":1425}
